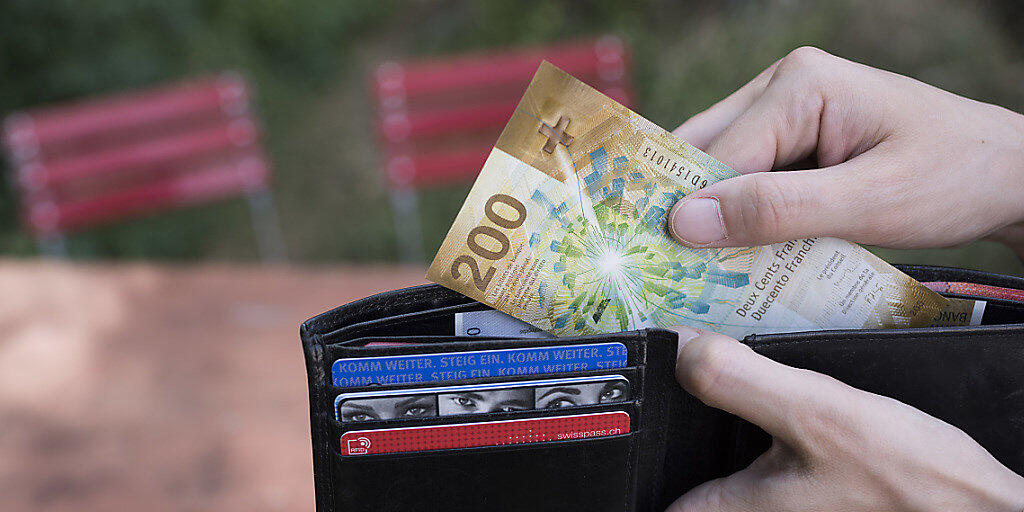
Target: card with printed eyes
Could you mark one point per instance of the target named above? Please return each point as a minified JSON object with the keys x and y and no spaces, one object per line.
{"x":480,"y":398}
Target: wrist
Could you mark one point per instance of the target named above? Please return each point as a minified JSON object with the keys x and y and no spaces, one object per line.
{"x":1011,"y":170}
{"x":1017,"y":172}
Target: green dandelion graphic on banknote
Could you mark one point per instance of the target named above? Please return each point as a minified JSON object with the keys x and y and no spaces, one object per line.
{"x":617,"y":266}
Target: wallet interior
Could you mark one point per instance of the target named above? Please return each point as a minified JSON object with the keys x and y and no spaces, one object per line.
{"x":968,"y":376}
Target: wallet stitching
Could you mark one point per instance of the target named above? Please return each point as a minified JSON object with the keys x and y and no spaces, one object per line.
{"x":631,"y":480}
{"x":633,"y":490}
{"x":652,"y":438}
{"x":317,"y":351}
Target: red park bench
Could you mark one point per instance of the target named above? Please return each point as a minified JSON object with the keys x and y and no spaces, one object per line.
{"x":103,"y":160}
{"x":438,"y":119}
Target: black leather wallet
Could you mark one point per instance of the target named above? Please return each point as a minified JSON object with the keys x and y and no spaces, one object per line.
{"x":971,"y":377}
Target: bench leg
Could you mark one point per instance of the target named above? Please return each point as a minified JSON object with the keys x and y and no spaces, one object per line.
{"x":53,"y":246}
{"x":407,"y":225}
{"x":267,"y":226}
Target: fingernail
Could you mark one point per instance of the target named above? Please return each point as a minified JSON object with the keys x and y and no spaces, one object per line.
{"x":697,"y":221}
{"x":685,"y":334}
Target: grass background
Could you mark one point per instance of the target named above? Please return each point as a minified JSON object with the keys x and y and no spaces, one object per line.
{"x":309,"y":60}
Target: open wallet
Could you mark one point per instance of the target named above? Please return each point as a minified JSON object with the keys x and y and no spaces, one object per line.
{"x":391,"y":389}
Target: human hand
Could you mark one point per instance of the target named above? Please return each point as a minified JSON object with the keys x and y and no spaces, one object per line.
{"x":902,"y":164}
{"x":834,"y":447}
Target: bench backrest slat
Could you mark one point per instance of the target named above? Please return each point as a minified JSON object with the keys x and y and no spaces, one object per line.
{"x":104,"y":159}
{"x":439,"y":118}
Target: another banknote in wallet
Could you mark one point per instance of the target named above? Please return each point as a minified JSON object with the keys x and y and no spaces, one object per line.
{"x":493,"y":323}
{"x":565,"y":229}
{"x":960,"y":312}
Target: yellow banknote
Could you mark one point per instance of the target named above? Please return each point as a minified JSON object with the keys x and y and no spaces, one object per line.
{"x":960,"y":312}
{"x":565,"y":229}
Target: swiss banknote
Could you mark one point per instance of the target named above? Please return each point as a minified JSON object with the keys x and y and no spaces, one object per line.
{"x":565,"y":229}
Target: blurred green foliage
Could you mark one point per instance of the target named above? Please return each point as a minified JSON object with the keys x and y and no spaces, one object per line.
{"x":309,"y":62}
{"x":66,"y":49}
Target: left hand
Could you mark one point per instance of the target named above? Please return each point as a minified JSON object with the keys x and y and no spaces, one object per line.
{"x":902,"y":164}
{"x":835,"y":448}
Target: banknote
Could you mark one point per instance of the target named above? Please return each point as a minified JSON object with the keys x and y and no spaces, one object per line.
{"x":565,"y":229}
{"x":492,"y":323}
{"x":960,"y":312}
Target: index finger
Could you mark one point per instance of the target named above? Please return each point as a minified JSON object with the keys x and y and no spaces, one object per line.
{"x":703,"y":127}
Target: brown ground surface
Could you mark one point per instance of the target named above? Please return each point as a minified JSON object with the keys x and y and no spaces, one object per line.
{"x":157,"y":387}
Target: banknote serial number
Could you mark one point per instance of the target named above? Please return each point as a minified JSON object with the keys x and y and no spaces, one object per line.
{"x":669,"y":162}
{"x":489,"y":232}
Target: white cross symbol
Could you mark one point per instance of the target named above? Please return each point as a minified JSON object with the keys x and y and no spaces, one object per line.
{"x":556,"y":134}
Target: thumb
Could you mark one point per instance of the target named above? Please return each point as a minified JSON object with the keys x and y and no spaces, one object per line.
{"x":728,"y":375}
{"x":743,"y":491}
{"x":734,"y":493}
{"x":768,"y":207}
{"x":759,"y":487}
{"x":783,"y":126}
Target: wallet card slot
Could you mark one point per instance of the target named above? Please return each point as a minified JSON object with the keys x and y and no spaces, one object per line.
{"x":430,"y":322}
{"x":383,"y":305}
{"x":991,"y":300}
{"x":934,"y":273}
{"x":411,"y":406}
{"x":409,"y":340}
{"x":634,"y":349}
{"x":998,"y":311}
{"x":630,"y":372}
{"x":592,"y":474}
{"x":1002,"y":312}
{"x":369,"y":344}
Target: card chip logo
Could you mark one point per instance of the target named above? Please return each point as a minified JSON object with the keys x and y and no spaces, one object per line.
{"x":358,"y":446}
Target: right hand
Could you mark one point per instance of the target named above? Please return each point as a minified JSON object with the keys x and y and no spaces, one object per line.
{"x":835,"y":448}
{"x":902,"y":164}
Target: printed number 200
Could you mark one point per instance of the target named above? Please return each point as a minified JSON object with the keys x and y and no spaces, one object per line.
{"x":481,"y":281}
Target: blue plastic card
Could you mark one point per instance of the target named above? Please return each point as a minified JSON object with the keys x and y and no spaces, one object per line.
{"x":449,"y":366}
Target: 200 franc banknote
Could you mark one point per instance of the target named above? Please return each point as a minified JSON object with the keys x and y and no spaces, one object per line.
{"x":565,"y":229}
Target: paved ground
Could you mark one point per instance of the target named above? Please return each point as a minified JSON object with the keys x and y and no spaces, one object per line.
{"x":144,"y":387}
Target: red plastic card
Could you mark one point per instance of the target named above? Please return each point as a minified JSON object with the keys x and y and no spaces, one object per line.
{"x":494,"y":433}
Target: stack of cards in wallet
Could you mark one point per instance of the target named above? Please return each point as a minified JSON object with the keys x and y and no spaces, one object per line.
{"x":412,"y":402}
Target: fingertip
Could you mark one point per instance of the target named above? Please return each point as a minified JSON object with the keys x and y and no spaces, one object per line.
{"x":697,"y":222}
{"x":704,"y":359}
{"x":727,"y":374}
{"x":694,"y":133}
{"x":685,"y":334}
